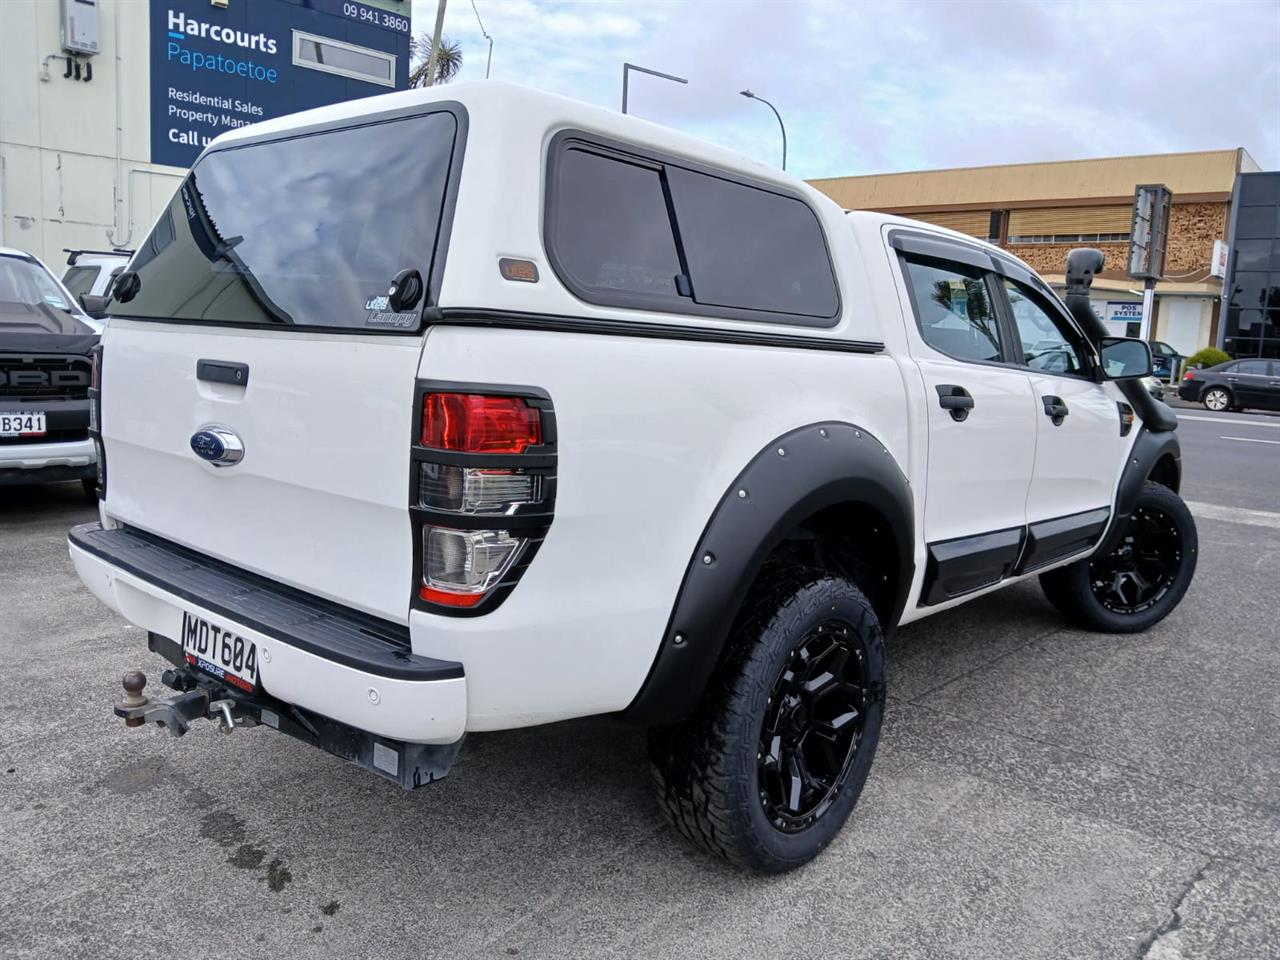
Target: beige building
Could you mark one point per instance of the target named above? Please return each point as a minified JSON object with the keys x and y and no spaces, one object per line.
{"x":1040,"y":211}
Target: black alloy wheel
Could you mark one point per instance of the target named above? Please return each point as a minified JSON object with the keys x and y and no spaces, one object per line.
{"x":1137,"y":573}
{"x":1140,"y":580}
{"x":771,"y":764}
{"x":812,"y":727}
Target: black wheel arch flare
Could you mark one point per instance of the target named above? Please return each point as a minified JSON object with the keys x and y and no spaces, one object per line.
{"x":798,"y":475}
{"x":1155,"y":455}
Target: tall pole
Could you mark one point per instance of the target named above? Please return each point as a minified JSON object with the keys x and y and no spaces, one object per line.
{"x":751,"y":96}
{"x":628,"y":67}
{"x":489,"y":62}
{"x":1148,"y":307}
{"x":435,"y":44}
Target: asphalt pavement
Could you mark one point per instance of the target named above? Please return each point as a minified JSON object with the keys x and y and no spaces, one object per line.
{"x":1039,"y":792}
{"x":1230,"y":459}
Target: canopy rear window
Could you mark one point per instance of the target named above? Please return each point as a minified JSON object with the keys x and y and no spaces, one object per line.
{"x":308,"y":231}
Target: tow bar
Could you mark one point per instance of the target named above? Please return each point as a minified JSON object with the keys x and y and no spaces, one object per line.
{"x":192,"y":703}
{"x":199,"y":697}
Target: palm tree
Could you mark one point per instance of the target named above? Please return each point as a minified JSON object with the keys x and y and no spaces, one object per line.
{"x":448,"y":61}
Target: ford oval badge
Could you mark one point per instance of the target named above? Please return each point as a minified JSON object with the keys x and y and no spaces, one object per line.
{"x":218,"y":445}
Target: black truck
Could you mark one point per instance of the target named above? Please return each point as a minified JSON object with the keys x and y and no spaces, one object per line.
{"x":46,"y":345}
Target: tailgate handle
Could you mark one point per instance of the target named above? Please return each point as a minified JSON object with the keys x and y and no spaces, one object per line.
{"x":223,"y":371}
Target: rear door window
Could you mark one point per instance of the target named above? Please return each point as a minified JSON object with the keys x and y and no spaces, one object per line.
{"x":1257,"y":368}
{"x":307,"y":231}
{"x":953,"y":308}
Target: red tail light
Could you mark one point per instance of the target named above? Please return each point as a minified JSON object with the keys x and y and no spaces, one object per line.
{"x":1189,"y":375}
{"x":476,"y":423}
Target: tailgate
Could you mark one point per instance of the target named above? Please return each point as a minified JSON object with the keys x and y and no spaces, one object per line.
{"x":319,"y":500}
{"x":260,"y":314}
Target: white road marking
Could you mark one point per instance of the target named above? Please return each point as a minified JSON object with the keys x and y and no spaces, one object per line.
{"x":1257,"y":518}
{"x":1260,"y":422}
{"x":1250,"y":440}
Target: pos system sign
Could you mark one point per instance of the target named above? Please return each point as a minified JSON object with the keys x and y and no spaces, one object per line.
{"x":217,"y":68}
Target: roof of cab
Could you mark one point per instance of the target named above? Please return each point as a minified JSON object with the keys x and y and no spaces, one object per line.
{"x":494,"y":99}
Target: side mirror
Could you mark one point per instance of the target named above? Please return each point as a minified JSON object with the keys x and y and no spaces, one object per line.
{"x":95,"y":307}
{"x":1124,"y":358}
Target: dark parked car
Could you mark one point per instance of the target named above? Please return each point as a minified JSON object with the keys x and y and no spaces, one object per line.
{"x":1164,"y":359}
{"x":1235,"y":385}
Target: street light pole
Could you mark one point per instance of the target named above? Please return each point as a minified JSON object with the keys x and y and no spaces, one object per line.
{"x":751,"y":96}
{"x":435,"y":44}
{"x":627,"y":67}
{"x":488,"y":63}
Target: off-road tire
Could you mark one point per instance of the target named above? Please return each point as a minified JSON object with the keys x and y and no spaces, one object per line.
{"x":1074,"y":592}
{"x":706,"y":770}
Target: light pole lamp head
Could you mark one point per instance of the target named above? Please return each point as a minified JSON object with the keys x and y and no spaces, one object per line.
{"x":748,"y":94}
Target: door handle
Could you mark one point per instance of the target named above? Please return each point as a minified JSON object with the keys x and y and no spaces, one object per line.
{"x":1233,"y":379}
{"x":956,"y":400}
{"x":223,"y":371}
{"x":1055,"y":409}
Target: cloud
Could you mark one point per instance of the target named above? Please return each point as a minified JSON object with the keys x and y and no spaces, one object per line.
{"x":881,"y":86}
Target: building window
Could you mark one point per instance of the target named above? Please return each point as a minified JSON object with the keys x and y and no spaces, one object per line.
{"x":343,"y":59}
{"x":1071,"y":238}
{"x":995,"y":226}
{"x":1251,"y":293}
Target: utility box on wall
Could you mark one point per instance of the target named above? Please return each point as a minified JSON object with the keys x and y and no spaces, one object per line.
{"x":79,"y":26}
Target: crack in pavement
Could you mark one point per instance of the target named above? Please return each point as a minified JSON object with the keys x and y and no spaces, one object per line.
{"x":1174,"y":922}
{"x":919,"y":697}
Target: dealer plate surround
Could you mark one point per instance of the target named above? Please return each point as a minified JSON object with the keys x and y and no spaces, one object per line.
{"x":219,"y":652}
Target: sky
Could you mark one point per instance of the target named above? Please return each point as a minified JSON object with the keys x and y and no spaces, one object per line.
{"x":877,"y":87}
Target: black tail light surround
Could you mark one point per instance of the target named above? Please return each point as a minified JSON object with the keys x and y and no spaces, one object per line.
{"x":527,"y":522}
{"x":95,"y":419}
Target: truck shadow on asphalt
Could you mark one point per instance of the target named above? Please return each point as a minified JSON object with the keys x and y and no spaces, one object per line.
{"x":518,"y":806}
{"x":45,"y":502}
{"x":532,"y":803}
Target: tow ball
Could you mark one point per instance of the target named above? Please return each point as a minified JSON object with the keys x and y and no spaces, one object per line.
{"x":193,"y":702}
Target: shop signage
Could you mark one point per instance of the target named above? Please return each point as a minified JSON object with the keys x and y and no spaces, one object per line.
{"x":217,"y":68}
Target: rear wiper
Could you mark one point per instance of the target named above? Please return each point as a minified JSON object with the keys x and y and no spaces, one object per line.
{"x":225,"y":252}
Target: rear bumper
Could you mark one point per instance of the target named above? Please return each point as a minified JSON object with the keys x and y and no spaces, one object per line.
{"x":326,"y":659}
{"x":1189,"y":390}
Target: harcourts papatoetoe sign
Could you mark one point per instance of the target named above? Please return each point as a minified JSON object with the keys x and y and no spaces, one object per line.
{"x":217,"y":68}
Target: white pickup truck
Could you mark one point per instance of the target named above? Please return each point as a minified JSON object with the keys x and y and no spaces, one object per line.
{"x":474,"y":408}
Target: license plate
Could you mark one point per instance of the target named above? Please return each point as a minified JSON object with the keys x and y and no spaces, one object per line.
{"x":220,"y":652}
{"x":22,"y":425}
